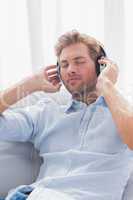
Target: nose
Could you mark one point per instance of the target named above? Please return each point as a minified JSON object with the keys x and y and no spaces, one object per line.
{"x":72,"y":69}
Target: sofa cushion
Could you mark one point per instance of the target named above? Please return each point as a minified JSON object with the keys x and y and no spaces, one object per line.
{"x":19,"y":165}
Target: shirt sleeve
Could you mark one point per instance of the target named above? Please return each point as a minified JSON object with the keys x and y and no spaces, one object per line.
{"x":21,"y":124}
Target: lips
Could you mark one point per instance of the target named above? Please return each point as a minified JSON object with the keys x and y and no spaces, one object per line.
{"x":73,"y":79}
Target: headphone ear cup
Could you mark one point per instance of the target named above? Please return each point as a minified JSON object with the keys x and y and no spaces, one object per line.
{"x":58,"y":70}
{"x":100,"y":67}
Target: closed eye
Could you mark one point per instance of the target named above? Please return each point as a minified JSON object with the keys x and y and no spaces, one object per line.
{"x":80,"y":62}
{"x":64,"y":65}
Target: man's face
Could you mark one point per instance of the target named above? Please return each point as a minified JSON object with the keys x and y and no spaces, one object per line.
{"x":77,"y":69}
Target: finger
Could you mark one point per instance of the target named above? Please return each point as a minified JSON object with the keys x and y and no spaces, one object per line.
{"x":53,"y":77}
{"x":50,"y":67}
{"x":108,"y":62}
{"x":52,"y":72}
{"x":55,"y":82}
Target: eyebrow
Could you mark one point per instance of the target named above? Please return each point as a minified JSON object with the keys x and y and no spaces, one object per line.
{"x":75,"y":58}
{"x":79,"y":57}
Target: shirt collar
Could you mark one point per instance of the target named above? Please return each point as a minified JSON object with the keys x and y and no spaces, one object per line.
{"x":76,"y":105}
{"x":100,"y":101}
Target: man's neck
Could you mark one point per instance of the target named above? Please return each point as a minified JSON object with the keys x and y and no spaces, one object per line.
{"x":87,"y":98}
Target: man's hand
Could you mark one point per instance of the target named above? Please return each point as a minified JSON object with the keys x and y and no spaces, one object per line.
{"x":108,"y":76}
{"x":47,"y":79}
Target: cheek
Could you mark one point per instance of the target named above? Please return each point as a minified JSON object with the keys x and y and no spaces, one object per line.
{"x":85,"y":74}
{"x":89,"y":75}
{"x":63,"y":74}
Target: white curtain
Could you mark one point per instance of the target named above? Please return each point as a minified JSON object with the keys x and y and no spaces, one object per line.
{"x":128,"y":69}
{"x":15,"y":56}
{"x":30,"y":28}
{"x":86,"y":16}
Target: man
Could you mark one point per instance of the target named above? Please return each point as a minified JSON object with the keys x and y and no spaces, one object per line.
{"x":84,"y":144}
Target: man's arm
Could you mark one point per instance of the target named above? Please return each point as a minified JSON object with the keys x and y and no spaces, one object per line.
{"x":45,"y":80}
{"x":121,"y":110}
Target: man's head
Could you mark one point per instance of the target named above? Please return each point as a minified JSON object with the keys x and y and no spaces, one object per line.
{"x":77,"y":56}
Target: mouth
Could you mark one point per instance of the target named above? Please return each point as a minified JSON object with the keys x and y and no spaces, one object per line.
{"x":73,"y":79}
{"x":73,"y":82}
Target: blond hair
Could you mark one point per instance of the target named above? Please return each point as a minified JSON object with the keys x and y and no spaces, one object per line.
{"x":73,"y":37}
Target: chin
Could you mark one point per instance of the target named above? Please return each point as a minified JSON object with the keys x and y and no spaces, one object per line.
{"x":76,"y":90}
{"x":80,"y":90}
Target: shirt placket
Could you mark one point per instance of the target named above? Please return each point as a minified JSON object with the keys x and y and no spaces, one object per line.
{"x":86,"y":118}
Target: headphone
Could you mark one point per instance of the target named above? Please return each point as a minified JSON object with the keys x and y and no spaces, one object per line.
{"x":99,"y":67}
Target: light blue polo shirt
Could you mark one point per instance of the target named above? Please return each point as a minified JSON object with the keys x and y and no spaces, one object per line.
{"x":83,"y":154}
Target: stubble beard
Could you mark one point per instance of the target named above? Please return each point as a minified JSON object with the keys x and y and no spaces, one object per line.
{"x":85,"y":93}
